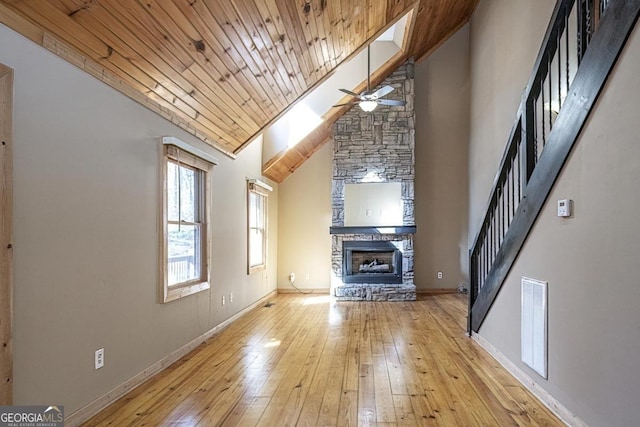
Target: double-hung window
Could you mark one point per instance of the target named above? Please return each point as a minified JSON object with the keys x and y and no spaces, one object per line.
{"x":257,"y":192}
{"x":185,"y":246}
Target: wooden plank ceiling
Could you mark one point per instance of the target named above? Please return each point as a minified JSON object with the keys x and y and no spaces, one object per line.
{"x":226,"y":69}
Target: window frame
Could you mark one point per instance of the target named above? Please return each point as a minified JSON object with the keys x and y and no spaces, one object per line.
{"x":173,"y":154}
{"x":260,"y":189}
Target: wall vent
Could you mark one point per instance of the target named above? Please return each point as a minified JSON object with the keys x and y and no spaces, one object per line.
{"x":533,"y":325}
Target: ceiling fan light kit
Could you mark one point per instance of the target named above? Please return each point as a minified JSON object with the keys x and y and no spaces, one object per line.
{"x":368,"y":106}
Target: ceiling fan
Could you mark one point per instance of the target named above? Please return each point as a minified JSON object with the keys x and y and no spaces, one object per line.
{"x":368,"y":100}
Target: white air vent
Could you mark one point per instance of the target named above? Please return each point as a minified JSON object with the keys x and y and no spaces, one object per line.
{"x":533,"y":325}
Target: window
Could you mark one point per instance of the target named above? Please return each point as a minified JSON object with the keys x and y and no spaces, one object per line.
{"x":185,"y":245}
{"x":257,"y":225}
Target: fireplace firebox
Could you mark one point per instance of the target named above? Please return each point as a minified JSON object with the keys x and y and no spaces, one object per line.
{"x":374,"y":262}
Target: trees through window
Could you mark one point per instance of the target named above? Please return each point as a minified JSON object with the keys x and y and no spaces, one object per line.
{"x":257,"y":225}
{"x":186,"y":212}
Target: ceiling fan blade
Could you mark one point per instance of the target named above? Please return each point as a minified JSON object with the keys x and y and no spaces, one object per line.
{"x":393,"y":102}
{"x":349,"y":92}
{"x":382,"y":92}
{"x":347,"y":103}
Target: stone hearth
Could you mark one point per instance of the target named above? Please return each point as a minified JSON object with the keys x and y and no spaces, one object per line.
{"x":376,"y":147}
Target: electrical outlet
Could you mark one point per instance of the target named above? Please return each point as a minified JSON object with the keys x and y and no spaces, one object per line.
{"x":307,"y":276}
{"x":222,"y":299}
{"x":230,"y":297}
{"x":439,"y":274}
{"x":292,"y":277}
{"x":99,"y":358}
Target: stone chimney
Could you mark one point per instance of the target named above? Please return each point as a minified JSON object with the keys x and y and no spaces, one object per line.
{"x":376,"y":147}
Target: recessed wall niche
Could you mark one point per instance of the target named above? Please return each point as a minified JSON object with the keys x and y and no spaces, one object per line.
{"x":373,"y":203}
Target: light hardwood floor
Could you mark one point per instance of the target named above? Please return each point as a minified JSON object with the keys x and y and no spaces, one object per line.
{"x":310,"y":361}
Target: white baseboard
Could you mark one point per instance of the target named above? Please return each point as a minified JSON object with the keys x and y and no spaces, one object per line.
{"x":436,"y":291}
{"x":88,"y":411}
{"x":316,"y":291}
{"x":536,"y":389}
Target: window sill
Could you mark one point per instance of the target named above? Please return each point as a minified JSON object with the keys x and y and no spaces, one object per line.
{"x":256,"y":268}
{"x":176,"y":292}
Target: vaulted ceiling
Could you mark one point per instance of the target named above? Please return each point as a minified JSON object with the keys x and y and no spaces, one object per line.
{"x":225,"y":70}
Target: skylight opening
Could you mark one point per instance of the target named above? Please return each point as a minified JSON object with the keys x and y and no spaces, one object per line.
{"x":302,"y":120}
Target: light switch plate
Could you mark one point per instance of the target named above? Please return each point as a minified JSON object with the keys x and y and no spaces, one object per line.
{"x":99,"y":358}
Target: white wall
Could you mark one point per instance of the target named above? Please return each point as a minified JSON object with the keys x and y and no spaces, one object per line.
{"x":86,"y":212}
{"x":590,"y":260}
{"x":304,"y":242}
{"x":373,"y":203}
{"x":442,"y":152}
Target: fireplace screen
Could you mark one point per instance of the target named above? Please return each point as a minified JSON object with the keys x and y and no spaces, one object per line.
{"x":371,"y":262}
{"x":368,"y":262}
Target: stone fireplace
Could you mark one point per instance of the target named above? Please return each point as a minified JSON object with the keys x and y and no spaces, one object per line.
{"x":372,"y":240}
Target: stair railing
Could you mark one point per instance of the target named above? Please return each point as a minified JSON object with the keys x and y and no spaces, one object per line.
{"x":572,"y":26}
